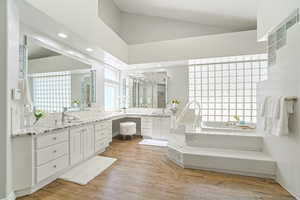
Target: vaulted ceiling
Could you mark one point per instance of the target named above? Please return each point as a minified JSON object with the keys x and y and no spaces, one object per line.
{"x":233,"y":14}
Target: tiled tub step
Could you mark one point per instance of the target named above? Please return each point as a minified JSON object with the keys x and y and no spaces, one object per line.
{"x":249,"y":163}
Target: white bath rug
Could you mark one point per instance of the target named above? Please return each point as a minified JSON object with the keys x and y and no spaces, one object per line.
{"x":87,"y":171}
{"x":160,"y":143}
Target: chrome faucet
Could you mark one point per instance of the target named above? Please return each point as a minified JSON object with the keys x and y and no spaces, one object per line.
{"x":63,"y":114}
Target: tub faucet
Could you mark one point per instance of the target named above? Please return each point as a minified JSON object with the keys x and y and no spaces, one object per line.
{"x":63,"y":114}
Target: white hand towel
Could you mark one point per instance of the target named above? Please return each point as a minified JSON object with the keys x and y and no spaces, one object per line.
{"x":276,"y":107}
{"x":263,"y":107}
{"x":268,"y":124}
{"x":282,"y":123}
{"x":290,"y":107}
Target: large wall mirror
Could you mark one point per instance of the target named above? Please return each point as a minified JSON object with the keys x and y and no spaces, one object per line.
{"x":146,"y":90}
{"x":57,"y":81}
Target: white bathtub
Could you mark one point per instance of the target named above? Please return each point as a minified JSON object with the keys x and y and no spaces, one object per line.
{"x":226,"y":127}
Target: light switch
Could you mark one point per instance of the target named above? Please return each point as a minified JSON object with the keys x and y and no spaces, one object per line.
{"x":16,"y":94}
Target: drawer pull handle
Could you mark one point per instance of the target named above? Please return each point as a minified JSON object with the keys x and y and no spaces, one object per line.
{"x":54,"y":138}
{"x":54,"y":151}
{"x":54,"y":166}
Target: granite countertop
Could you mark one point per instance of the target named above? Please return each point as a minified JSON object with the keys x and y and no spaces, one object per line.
{"x":44,"y":129}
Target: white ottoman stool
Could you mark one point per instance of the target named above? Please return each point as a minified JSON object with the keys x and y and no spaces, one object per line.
{"x":127,"y":129}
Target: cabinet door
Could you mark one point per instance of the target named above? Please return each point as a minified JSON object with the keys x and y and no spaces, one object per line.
{"x":146,"y":127}
{"x":99,"y":131}
{"x":76,"y":146}
{"x":156,"y":128}
{"x":89,"y":141}
{"x":165,"y":128}
{"x":108,"y":130}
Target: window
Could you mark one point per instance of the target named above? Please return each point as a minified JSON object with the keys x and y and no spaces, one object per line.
{"x":111,"y":89}
{"x":51,"y":91}
{"x":111,"y":74}
{"x":226,"y":86}
{"x":111,"y":97}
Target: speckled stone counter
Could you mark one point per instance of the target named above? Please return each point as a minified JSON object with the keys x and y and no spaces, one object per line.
{"x":44,"y":129}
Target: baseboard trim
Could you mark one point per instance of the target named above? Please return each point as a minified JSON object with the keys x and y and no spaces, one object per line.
{"x":11,"y":196}
{"x":287,"y":189}
{"x":233,"y":172}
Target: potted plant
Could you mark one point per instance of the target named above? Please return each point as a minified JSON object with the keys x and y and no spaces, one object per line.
{"x":174,"y":105}
{"x":75,"y":103}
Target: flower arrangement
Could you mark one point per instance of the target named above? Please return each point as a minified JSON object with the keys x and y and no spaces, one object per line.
{"x":38,"y":114}
{"x":237,"y":118}
{"x":76,"y":102}
{"x":175,"y":101}
{"x":174,"y":106}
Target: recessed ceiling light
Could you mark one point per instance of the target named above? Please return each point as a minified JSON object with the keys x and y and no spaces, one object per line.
{"x":62,"y":35}
{"x":71,"y":52}
{"x":89,"y":49}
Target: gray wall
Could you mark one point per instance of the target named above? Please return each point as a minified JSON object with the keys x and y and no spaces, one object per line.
{"x":9,"y":51}
{"x":178,"y":85}
{"x":284,"y":81}
{"x":110,"y":14}
{"x":137,"y":29}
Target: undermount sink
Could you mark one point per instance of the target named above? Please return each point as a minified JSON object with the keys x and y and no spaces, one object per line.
{"x":73,"y":121}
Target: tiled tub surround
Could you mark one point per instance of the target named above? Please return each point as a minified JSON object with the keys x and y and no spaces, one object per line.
{"x":44,"y":152}
{"x":234,"y":154}
{"x":229,"y":152}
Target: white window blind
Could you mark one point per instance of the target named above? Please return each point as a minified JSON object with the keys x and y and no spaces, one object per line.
{"x":51,"y":91}
{"x":226,"y":86}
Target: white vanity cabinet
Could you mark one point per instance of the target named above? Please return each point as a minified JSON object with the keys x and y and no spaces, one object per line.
{"x":103,"y":135}
{"x":88,"y":141}
{"x":52,"y":154}
{"x":161,"y":128}
{"x":155,"y":127}
{"x":76,"y":145}
{"x":146,"y":127}
{"x":82,"y":143}
{"x":39,"y":160}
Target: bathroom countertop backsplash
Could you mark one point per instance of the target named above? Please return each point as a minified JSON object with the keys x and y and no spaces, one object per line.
{"x":52,"y":122}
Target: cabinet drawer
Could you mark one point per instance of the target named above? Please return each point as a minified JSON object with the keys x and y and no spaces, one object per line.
{"x":108,"y":123}
{"x":98,"y":129}
{"x":148,"y":123}
{"x":99,"y":126}
{"x":51,"y":153}
{"x":51,"y":168}
{"x":146,"y":127}
{"x":102,"y":126}
{"x":51,"y":139}
{"x":101,"y":144}
{"x":100,"y":134}
{"x":146,"y":119}
{"x":146,"y":132}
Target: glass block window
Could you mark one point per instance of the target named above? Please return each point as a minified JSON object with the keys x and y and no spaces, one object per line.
{"x":51,"y":91}
{"x":226,"y":86}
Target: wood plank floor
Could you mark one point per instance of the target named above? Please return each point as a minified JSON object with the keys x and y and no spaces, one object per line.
{"x":145,"y":173}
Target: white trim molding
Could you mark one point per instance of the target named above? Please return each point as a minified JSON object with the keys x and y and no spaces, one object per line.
{"x":11,"y":196}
